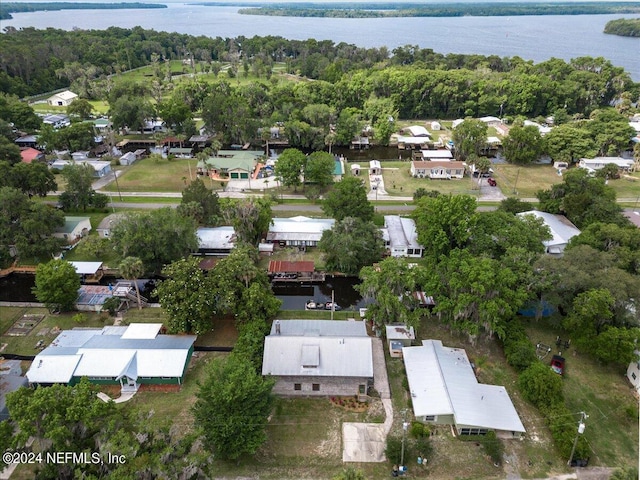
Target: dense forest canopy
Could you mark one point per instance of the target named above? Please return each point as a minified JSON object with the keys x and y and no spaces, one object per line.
{"x":625,"y":27}
{"x":386,"y":9}
{"x":417,"y":82}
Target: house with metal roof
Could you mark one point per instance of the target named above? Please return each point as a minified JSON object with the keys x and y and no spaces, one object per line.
{"x":561,"y":229}
{"x":298,"y":231}
{"x":74,"y":229}
{"x":217,"y":241}
{"x":442,"y":170}
{"x":597,"y":163}
{"x":445,"y":391}
{"x":318,"y":357}
{"x":401,"y":237}
{"x":127,"y":356}
{"x":230,"y":164}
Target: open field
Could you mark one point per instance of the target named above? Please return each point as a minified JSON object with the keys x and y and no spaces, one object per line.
{"x":525,"y":180}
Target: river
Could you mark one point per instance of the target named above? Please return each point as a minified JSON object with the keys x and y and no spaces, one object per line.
{"x":536,"y":38}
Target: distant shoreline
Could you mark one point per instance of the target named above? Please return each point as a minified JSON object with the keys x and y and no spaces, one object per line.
{"x":407,"y":9}
{"x":6,"y":9}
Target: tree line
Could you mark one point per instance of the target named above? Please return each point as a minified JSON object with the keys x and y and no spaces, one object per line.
{"x":625,"y":27}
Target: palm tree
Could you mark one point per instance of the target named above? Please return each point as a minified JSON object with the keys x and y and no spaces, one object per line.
{"x":132,"y":268}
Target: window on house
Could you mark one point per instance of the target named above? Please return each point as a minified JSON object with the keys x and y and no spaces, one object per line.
{"x":633,"y":375}
{"x":315,"y":387}
{"x":410,"y":251}
{"x":430,"y":418}
{"x":297,"y":386}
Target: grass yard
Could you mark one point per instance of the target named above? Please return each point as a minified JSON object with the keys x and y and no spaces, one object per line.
{"x":151,"y":175}
{"x":627,"y":186}
{"x":525,"y":180}
{"x":47,"y":330}
{"x":398,"y":181}
{"x":603,"y":393}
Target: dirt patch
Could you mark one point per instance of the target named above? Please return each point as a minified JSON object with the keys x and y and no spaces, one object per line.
{"x":24,"y":325}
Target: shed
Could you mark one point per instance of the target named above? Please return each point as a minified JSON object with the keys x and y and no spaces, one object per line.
{"x":375,"y":168}
{"x":62,"y":99}
{"x":355,"y":169}
{"x":90,"y":272}
{"x":435,"y":126}
{"x":399,"y":336}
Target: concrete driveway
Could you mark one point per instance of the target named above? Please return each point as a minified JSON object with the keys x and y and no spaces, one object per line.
{"x":366,"y":442}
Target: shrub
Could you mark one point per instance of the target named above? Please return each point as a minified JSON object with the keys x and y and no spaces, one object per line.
{"x":520,"y":355}
{"x":419,"y":430}
{"x":111,"y":305}
{"x":393,"y":451}
{"x":423,"y":446}
{"x":540,"y":385}
{"x":493,"y":447}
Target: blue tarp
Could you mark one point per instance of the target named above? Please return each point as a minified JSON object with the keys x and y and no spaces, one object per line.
{"x":542,"y":308}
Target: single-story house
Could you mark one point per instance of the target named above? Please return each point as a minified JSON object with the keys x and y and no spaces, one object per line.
{"x":400,"y":237}
{"x":318,"y":357}
{"x":562,"y":230}
{"x":593,"y":164}
{"x":30,"y":154}
{"x":130,"y":158}
{"x":375,"y":168}
{"x":445,"y":391}
{"x":491,"y":121}
{"x":107,"y":223}
{"x":439,"y":154}
{"x":100,"y":168}
{"x":153,"y":126}
{"x":200,"y":141}
{"x":543,"y":129}
{"x":231,"y":164}
{"x":445,"y":170}
{"x":27,"y":141}
{"x":216,"y":241}
{"x":360,"y":143}
{"x":416,"y":131}
{"x":115,"y":355}
{"x":62,"y":99}
{"x":399,"y":336}
{"x":11,"y":379}
{"x":74,"y":229}
{"x":633,"y":372}
{"x":102,"y":124}
{"x":57,"y":120}
{"x":298,"y":231}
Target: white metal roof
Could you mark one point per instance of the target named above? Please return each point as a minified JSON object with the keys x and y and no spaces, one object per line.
{"x":599,"y":162}
{"x":218,"y":237}
{"x":320,"y":328}
{"x":142,"y":330}
{"x":439,"y":154}
{"x":300,"y":225}
{"x":112,"y":352}
{"x":88,"y":268}
{"x":417,"y":131}
{"x":337,"y":356}
{"x":402,"y":232}
{"x":562,"y":230}
{"x":442,"y":382}
{"x":52,"y":368}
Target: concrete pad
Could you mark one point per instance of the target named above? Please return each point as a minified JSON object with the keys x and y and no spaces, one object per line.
{"x":363,"y":442}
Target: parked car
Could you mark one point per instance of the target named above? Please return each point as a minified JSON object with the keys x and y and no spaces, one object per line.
{"x":492,"y":181}
{"x":557,"y":364}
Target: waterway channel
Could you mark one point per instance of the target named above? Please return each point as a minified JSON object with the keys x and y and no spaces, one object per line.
{"x":18,"y":288}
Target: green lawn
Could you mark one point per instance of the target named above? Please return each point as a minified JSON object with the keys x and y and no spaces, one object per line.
{"x":45,"y":330}
{"x":398,"y":181}
{"x":525,"y":180}
{"x":627,"y":186}
{"x":151,"y":175}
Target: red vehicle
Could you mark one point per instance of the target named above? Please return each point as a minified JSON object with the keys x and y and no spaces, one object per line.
{"x":557,"y":364}
{"x":492,"y":181}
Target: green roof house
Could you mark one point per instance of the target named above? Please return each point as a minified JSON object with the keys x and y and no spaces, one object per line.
{"x":74,"y":229}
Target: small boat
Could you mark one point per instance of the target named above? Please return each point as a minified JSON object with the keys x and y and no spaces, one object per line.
{"x":313,"y":305}
{"x":332,"y":306}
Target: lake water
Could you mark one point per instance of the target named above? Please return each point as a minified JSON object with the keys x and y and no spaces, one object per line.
{"x":536,"y":38}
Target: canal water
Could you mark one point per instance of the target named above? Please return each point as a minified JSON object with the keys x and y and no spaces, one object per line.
{"x":18,"y":288}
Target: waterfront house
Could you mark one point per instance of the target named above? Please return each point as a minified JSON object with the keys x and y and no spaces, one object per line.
{"x":561,"y":229}
{"x":400,"y":237}
{"x":298,"y":231}
{"x":74,"y":229}
{"x":62,"y":99}
{"x":217,"y":241}
{"x":318,"y":357}
{"x":130,"y":356}
{"x":444,"y":391}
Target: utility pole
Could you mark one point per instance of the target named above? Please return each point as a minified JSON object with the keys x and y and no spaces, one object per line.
{"x":115,"y":175}
{"x":581,"y":427}
{"x":405,"y":426}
